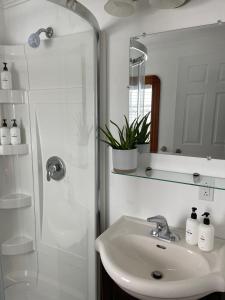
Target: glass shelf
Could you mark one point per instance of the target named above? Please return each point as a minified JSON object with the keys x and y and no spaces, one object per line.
{"x":175,"y":177}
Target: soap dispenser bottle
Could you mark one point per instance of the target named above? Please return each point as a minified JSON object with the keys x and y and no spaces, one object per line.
{"x":15,"y":133}
{"x":192,"y":227}
{"x":6,"y":78}
{"x":5,"y":133}
{"x":206,"y":234}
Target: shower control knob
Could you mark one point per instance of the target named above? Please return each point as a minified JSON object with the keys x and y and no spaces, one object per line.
{"x":56,"y":168}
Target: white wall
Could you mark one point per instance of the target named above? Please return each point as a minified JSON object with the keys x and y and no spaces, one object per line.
{"x":22,"y":20}
{"x":1,"y":25}
{"x":140,"y":197}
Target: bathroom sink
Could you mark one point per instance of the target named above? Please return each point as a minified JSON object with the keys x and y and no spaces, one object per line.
{"x":149,"y":268}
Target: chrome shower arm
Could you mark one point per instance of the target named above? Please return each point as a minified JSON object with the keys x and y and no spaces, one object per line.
{"x":48,"y":32}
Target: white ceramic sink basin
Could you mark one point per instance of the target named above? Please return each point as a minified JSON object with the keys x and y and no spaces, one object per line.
{"x":136,"y":261}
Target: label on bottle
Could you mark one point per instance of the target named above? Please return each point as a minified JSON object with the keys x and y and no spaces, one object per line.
{"x":202,"y":237}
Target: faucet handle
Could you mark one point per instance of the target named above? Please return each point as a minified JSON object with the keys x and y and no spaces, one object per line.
{"x":158,"y":220}
{"x":162,"y":227}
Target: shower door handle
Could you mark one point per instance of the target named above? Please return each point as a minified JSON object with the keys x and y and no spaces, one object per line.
{"x":56,"y":168}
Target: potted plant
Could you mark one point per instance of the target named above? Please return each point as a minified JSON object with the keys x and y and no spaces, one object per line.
{"x":124,"y":149}
{"x":143,"y":134}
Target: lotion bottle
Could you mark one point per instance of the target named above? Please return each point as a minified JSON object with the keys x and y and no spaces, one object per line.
{"x":192,"y":227}
{"x":15,"y":133}
{"x":5,"y":133}
{"x":206,"y":234}
{"x":6,"y":78}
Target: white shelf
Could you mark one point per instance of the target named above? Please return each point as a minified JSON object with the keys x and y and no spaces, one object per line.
{"x":12,"y":96}
{"x":15,"y":201}
{"x":17,"y":246}
{"x":21,"y":276}
{"x":14,"y":149}
{"x":17,"y":277}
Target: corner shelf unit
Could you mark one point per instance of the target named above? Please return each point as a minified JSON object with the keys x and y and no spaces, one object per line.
{"x":176,"y":177}
{"x":17,"y":246}
{"x":19,"y":277}
{"x":21,"y":149}
{"x":12,"y":96}
{"x":15,"y":201}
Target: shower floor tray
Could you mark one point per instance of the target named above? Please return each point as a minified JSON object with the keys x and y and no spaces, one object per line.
{"x":24,"y":285}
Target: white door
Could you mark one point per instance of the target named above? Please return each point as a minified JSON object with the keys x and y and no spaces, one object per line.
{"x":200,"y":110}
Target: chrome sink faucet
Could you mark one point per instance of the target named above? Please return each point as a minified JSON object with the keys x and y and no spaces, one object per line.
{"x":162,"y":230}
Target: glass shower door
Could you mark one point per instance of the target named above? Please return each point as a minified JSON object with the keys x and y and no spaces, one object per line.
{"x":62,"y":106}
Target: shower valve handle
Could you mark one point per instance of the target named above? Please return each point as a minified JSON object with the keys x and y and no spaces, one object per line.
{"x":50,"y":172}
{"x":56,"y":169}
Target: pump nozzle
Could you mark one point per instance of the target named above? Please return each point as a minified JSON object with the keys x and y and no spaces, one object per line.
{"x":206,"y":214}
{"x":194,"y":215}
{"x":206,"y":220}
{"x":14,"y":123}
{"x":5,"y":66}
{"x":4,"y":123}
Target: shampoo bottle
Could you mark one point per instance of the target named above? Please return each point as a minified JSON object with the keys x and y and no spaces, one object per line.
{"x":206,"y":234}
{"x":5,"y":133}
{"x":192,"y":227}
{"x":15,"y":133}
{"x":6,"y":78}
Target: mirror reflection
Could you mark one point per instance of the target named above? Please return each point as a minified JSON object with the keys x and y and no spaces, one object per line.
{"x":179,"y":77}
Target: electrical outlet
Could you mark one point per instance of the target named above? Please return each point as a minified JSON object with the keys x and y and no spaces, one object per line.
{"x":206,"y":194}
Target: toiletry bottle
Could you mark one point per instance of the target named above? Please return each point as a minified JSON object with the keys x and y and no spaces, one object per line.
{"x":192,"y":227}
{"x":6,"y":78}
{"x":15,"y":133}
{"x":206,"y":234}
{"x":5,"y":133}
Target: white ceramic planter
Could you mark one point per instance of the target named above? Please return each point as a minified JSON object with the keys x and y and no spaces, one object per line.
{"x":143,"y":148}
{"x":125,"y":160}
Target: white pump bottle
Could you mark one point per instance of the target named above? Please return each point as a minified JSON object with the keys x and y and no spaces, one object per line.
{"x":15,"y":134}
{"x":6,"y":78}
{"x":206,"y":234}
{"x":192,"y":227}
{"x":4,"y":133}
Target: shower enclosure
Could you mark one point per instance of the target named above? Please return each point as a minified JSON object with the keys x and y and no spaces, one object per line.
{"x":48,"y":220}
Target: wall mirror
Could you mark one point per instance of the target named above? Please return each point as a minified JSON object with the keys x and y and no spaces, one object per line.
{"x":179,"y":77}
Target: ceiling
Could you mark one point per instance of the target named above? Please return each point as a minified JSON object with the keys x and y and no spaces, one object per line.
{"x":104,"y":19}
{"x":9,"y":3}
{"x":95,"y":6}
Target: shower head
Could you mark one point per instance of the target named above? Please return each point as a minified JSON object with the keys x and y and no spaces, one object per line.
{"x":134,"y":62}
{"x":34,"y":38}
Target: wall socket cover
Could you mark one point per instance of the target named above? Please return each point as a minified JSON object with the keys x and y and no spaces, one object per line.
{"x":206,"y":193}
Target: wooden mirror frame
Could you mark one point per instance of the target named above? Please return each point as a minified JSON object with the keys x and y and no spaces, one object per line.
{"x":155,"y":82}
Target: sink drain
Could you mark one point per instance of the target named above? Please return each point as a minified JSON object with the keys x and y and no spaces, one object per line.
{"x":157,"y":275}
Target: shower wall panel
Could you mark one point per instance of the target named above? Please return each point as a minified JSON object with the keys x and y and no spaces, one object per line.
{"x":62,"y":101}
